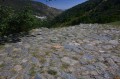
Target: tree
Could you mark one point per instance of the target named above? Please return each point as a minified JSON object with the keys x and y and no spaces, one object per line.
{"x":6,"y":14}
{"x":23,"y":21}
{"x":15,"y":22}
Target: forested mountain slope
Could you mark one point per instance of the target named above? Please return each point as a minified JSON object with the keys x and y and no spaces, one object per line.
{"x":91,"y":11}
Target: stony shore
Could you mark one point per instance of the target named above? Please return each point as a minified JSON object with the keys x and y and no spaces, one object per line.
{"x":85,"y":51}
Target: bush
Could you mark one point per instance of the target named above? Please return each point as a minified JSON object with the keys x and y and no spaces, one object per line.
{"x":6,"y":15}
{"x":12,"y":22}
{"x":23,"y":21}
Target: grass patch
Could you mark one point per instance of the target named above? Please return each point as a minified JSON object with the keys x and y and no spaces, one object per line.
{"x":52,"y":63}
{"x":52,"y":72}
{"x":2,"y":65}
{"x":32,"y":71}
{"x":65,"y":66}
{"x":34,"y":54}
{"x":75,"y":58}
{"x":41,"y":58}
{"x":48,"y":53}
{"x":1,"y":46}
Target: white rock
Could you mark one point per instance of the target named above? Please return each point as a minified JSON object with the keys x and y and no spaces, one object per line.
{"x":101,"y":51}
{"x":24,"y":60}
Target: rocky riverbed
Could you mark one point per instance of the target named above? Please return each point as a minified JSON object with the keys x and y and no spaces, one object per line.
{"x":85,"y":51}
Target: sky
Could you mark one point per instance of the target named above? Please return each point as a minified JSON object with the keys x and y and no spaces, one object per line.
{"x":62,"y":4}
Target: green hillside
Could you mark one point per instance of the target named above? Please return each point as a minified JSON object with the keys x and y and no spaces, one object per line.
{"x":38,"y":8}
{"x":91,"y":11}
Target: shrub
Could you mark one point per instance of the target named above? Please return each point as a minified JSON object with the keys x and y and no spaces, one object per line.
{"x":15,"y":22}
{"x":6,"y":15}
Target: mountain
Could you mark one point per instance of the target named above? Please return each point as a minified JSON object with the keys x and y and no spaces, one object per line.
{"x":38,"y":8}
{"x":91,"y":11}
